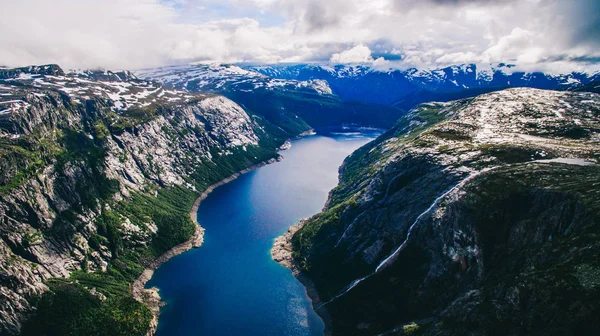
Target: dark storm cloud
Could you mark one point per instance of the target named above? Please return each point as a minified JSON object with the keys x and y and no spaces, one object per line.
{"x":578,"y":59}
{"x":318,"y":17}
{"x":583,"y":21}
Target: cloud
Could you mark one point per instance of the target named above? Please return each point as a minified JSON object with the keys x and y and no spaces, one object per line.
{"x":459,"y":58}
{"x":511,"y":47}
{"x":358,"y":54}
{"x":318,"y":17}
{"x":388,"y":33}
{"x":583,"y":19}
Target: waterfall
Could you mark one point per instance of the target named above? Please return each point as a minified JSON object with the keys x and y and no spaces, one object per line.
{"x":349,"y":227}
{"x":409,"y":232}
{"x":431,"y":207}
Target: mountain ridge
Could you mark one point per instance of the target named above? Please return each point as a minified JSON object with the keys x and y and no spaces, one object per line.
{"x":347,"y":80}
{"x":362,"y":82}
{"x":456,"y":195}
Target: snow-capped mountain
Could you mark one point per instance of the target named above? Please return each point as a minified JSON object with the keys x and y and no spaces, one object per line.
{"x":219,"y":78}
{"x":122,"y":89}
{"x":364,"y":83}
{"x":361,"y":83}
{"x":282,"y":101}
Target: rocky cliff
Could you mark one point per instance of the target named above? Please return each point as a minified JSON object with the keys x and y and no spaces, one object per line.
{"x":477,"y":216}
{"x":98,"y":171}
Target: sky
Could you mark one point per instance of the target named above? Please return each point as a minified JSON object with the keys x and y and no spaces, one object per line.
{"x":546,"y":35}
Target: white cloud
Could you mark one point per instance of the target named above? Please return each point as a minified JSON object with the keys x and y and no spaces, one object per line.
{"x":358,"y":54}
{"x":426,"y":33}
{"x":459,"y":58}
{"x":513,"y":46}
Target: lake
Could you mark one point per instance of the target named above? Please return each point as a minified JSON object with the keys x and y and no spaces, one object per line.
{"x":230,"y":285}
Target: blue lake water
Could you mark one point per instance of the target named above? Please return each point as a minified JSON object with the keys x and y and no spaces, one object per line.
{"x":231,"y":286}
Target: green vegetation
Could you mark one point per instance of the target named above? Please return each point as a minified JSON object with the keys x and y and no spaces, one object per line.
{"x":134,"y":116}
{"x":69,"y":309}
{"x":272,"y":108}
{"x":100,"y":130}
{"x":558,"y":271}
{"x":31,"y":238}
{"x":24,"y":157}
{"x":311,"y":240}
{"x":411,"y":128}
{"x":169,"y":211}
{"x":302,"y":241}
{"x":100,"y":303}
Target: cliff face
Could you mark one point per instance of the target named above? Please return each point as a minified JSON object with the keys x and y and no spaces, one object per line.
{"x":97,"y":174}
{"x":476,"y":216}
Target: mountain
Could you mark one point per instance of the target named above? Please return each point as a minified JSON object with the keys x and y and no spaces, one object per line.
{"x":98,"y":172}
{"x":213,"y":77}
{"x":590,"y":87}
{"x":373,"y":89}
{"x":461,"y":208}
{"x":478,"y":215}
{"x":287,"y":103}
{"x":369,"y":85}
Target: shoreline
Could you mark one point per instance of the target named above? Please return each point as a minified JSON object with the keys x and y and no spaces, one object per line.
{"x":281,"y":252}
{"x":151,"y":296}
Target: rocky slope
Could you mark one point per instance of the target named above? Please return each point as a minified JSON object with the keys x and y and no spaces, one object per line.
{"x":477,"y":216}
{"x":98,"y":171}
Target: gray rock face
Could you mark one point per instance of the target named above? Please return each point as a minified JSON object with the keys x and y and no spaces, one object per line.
{"x":458,"y":219}
{"x":42,"y":176}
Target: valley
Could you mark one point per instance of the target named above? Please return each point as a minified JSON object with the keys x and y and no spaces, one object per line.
{"x":299,"y":168}
{"x":230,"y":285}
{"x":99,"y":171}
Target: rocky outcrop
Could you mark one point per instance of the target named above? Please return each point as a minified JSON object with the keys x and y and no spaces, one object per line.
{"x":471,"y":216}
{"x":76,"y":148}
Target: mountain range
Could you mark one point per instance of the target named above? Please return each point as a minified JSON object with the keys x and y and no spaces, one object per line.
{"x":366,"y":84}
{"x":478,"y":211}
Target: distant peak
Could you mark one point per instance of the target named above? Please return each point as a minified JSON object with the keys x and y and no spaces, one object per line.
{"x":48,"y":69}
